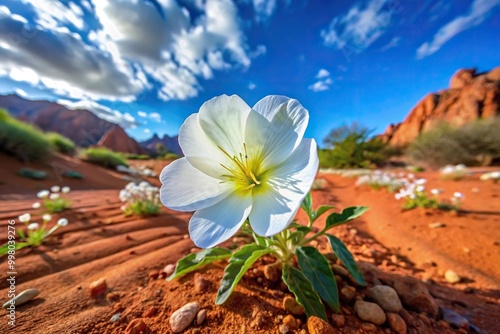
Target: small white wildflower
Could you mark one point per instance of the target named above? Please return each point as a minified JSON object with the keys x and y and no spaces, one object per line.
{"x":46,"y":217}
{"x":54,"y":196}
{"x":55,"y":189}
{"x":420,"y":189}
{"x":421,"y":182}
{"x":456,"y":194}
{"x":36,"y":205}
{"x":62,"y":222}
{"x":33,"y":226}
{"x":25,"y":218}
{"x":65,"y":190}
{"x":43,"y":194}
{"x":436,"y":191}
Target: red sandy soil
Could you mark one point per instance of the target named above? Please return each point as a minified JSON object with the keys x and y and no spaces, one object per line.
{"x":100,"y":242}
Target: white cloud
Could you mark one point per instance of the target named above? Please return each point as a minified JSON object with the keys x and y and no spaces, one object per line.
{"x":153,"y":116}
{"x":360,"y":27}
{"x":147,"y":131}
{"x":322,"y":74}
{"x":20,"y":92}
{"x":394,"y":42}
{"x":323,"y":81}
{"x":252,"y":86}
{"x":132,"y":46}
{"x":477,"y":14}
{"x":125,"y":120}
{"x":264,"y":9}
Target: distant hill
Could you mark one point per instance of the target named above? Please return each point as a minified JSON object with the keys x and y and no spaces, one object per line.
{"x":471,"y":96}
{"x":171,"y":144}
{"x":81,"y":126}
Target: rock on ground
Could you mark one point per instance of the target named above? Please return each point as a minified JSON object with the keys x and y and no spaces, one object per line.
{"x":182,"y":318}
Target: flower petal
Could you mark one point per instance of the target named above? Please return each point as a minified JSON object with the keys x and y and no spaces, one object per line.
{"x":223,"y":119}
{"x":217,"y":223}
{"x":274,"y":207}
{"x":185,"y":188}
{"x":200,"y":150}
{"x":281,"y":123}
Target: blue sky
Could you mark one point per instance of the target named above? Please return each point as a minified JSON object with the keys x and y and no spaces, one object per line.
{"x":148,"y":64}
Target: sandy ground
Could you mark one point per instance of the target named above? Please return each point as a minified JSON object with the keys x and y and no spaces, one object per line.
{"x":100,"y":242}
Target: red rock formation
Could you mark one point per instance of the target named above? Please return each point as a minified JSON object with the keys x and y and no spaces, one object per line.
{"x":117,"y":140}
{"x":470,"y":96}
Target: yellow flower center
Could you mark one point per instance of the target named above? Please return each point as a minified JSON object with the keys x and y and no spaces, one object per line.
{"x":243,"y":172}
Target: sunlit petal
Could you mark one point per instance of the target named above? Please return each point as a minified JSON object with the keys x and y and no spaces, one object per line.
{"x":185,"y":188}
{"x":217,"y":223}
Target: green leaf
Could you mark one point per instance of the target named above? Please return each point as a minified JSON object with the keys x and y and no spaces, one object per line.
{"x":239,"y":263}
{"x":304,"y":293}
{"x":307,"y":206}
{"x":347,"y":259}
{"x":195,"y":260}
{"x":321,"y":210}
{"x":346,"y":215}
{"x":315,"y":267}
{"x":21,"y":234}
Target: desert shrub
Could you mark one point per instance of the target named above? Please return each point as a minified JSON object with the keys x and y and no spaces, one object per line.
{"x":473,"y":144}
{"x":132,"y":156}
{"x":34,"y":174}
{"x":350,"y":146}
{"x":60,"y":143}
{"x":141,"y":200}
{"x":22,"y":140}
{"x":103,"y":157}
{"x":169,"y":156}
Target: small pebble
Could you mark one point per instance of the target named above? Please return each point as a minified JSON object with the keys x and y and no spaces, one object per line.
{"x":115,"y":317}
{"x":182,"y":318}
{"x":22,"y":298}
{"x":98,"y":288}
{"x":386,"y":297}
{"x":136,"y":326}
{"x":150,"y":312}
{"x":353,"y":231}
{"x":368,"y":327}
{"x":396,"y":323}
{"x":338,"y":320}
{"x":455,"y":319}
{"x":347,"y":293}
{"x":452,"y":277}
{"x":272,"y":272}
{"x":339,"y":270}
{"x":169,"y":269}
{"x":291,"y":305}
{"x":201,"y":316}
{"x":370,"y":312}
{"x":283,"y":329}
{"x":436,"y":225}
{"x":317,"y":325}
{"x":290,"y":322}
{"x":200,"y":283}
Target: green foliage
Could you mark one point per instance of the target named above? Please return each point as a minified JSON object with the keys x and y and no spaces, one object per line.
{"x":103,"y":157}
{"x":350,"y":146}
{"x":32,"y":173}
{"x":60,"y":143}
{"x":316,"y":269}
{"x":57,"y":205}
{"x":132,"y":156}
{"x":72,"y":174}
{"x":347,"y":259}
{"x":421,"y":200}
{"x":304,"y":292}
{"x":22,"y":140}
{"x":475,"y":143}
{"x":143,"y":208}
{"x":239,"y":263}
{"x":195,"y":260}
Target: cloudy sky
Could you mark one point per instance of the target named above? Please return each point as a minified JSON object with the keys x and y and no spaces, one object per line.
{"x":148,"y":64}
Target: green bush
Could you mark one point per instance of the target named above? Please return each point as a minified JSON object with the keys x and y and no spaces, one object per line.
{"x":104,"y":157}
{"x":60,"y":143}
{"x":473,"y":144}
{"x":132,"y":156}
{"x":32,"y":173}
{"x":350,"y":146}
{"x":22,"y":140}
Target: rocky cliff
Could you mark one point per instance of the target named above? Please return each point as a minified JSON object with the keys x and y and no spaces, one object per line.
{"x":171,"y":144}
{"x":471,"y":96}
{"x":117,"y":140}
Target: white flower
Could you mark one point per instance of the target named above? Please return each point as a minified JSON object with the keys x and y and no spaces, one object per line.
{"x":33,"y":226}
{"x":55,"y":189}
{"x":420,"y":182}
{"x":436,"y":191}
{"x":54,"y":196}
{"x":43,"y":194}
{"x":65,"y":190}
{"x":36,"y":205}
{"x":456,"y":194}
{"x":24,"y":218}
{"x":46,"y":217}
{"x":62,"y":222}
{"x":240,"y":163}
{"x":420,"y":188}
